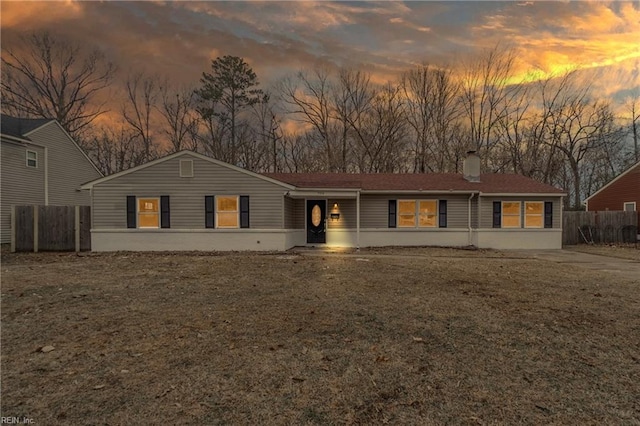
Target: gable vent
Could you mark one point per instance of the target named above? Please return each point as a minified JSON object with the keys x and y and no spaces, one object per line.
{"x":186,"y":168}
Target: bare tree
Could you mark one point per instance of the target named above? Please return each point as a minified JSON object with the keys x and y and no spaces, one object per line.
{"x":433,"y":110}
{"x":46,"y":76}
{"x":580,"y":126}
{"x":252,"y":154}
{"x":382,"y":133}
{"x":308,"y":99}
{"x":519,"y":155}
{"x":268,"y":132}
{"x":180,"y":119}
{"x":114,"y":150}
{"x":352,"y":96}
{"x":484,"y":95}
{"x":632,"y":106}
{"x":142,"y":96}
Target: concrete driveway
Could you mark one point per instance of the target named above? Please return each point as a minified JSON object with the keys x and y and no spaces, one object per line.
{"x":629,"y":269}
{"x":622,"y":267}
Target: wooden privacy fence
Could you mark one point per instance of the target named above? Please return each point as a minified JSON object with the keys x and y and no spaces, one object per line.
{"x":599,"y":227}
{"x":50,"y":228}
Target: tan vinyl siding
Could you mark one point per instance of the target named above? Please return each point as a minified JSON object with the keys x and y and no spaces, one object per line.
{"x":486,"y":209}
{"x":299,"y":221}
{"x":289,"y":213}
{"x":374,"y":209}
{"x":68,"y":167}
{"x":187,"y":194}
{"x":458,"y":211}
{"x":21,"y":185}
{"x":347,"y":210}
{"x":475,"y":210}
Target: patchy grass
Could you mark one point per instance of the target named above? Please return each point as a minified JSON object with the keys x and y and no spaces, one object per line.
{"x":400,"y":336}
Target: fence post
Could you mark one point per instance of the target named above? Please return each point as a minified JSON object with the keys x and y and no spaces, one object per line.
{"x":13,"y":228}
{"x":35,"y":229}
{"x":77,"y":227}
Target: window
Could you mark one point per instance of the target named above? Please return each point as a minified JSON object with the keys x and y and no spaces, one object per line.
{"x":222,"y":211}
{"x":227,"y":211}
{"x":406,"y":213}
{"x":425,"y":211}
{"x":428,"y":213}
{"x":630,"y":207}
{"x":511,"y":214}
{"x":533,"y":214}
{"x":148,"y":212}
{"x":186,"y":168}
{"x":32,"y":159}
{"x":148,"y":209}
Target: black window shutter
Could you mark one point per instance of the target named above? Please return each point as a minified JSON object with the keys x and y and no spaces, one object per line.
{"x":209,"y":213}
{"x":442,"y":214}
{"x":131,"y":211}
{"x":165,"y":217}
{"x":392,"y":213}
{"x":244,"y":211}
{"x":548,"y":214}
{"x":497,"y":214}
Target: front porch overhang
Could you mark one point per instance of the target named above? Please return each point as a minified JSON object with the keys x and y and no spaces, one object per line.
{"x":322,"y":193}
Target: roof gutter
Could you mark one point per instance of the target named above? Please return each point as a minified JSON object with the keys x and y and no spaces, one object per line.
{"x":523,"y":194}
{"x":420,"y":191}
{"x":17,"y":140}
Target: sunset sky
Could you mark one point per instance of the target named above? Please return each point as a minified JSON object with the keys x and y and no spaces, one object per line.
{"x":179,"y":39}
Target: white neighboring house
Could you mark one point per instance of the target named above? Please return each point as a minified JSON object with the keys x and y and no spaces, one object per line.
{"x":40,"y":165}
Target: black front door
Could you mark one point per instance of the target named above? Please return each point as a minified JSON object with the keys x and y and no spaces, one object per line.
{"x":316,"y":215}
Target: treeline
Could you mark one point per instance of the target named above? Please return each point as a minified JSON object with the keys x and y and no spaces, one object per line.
{"x":320,"y":120}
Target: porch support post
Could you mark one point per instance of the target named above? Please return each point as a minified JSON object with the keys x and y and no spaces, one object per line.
{"x":358,"y":220}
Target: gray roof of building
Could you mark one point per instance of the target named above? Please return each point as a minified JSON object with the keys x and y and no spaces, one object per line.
{"x":19,"y":127}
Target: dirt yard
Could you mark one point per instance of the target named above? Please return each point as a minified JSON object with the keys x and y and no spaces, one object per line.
{"x":422,"y":336}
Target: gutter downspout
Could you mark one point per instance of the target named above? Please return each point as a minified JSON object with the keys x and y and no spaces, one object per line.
{"x":470,"y":228}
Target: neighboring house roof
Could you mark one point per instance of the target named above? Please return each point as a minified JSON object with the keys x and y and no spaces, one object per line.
{"x":89,"y":185}
{"x":19,"y":127}
{"x":489,"y":183}
{"x":635,"y":167}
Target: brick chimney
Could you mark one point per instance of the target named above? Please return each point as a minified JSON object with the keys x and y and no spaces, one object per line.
{"x":471,"y":167}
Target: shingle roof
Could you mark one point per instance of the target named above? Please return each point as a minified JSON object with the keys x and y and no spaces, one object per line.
{"x":489,"y":183}
{"x":18,"y":127}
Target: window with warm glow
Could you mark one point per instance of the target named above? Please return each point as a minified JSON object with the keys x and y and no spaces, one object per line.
{"x":227,"y":211}
{"x":148,"y":213}
{"x":428,"y":213}
{"x":533,"y":214}
{"x":511,"y":214}
{"x":406,"y":213}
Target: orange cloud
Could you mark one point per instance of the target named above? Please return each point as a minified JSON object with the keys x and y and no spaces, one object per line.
{"x":21,"y":14}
